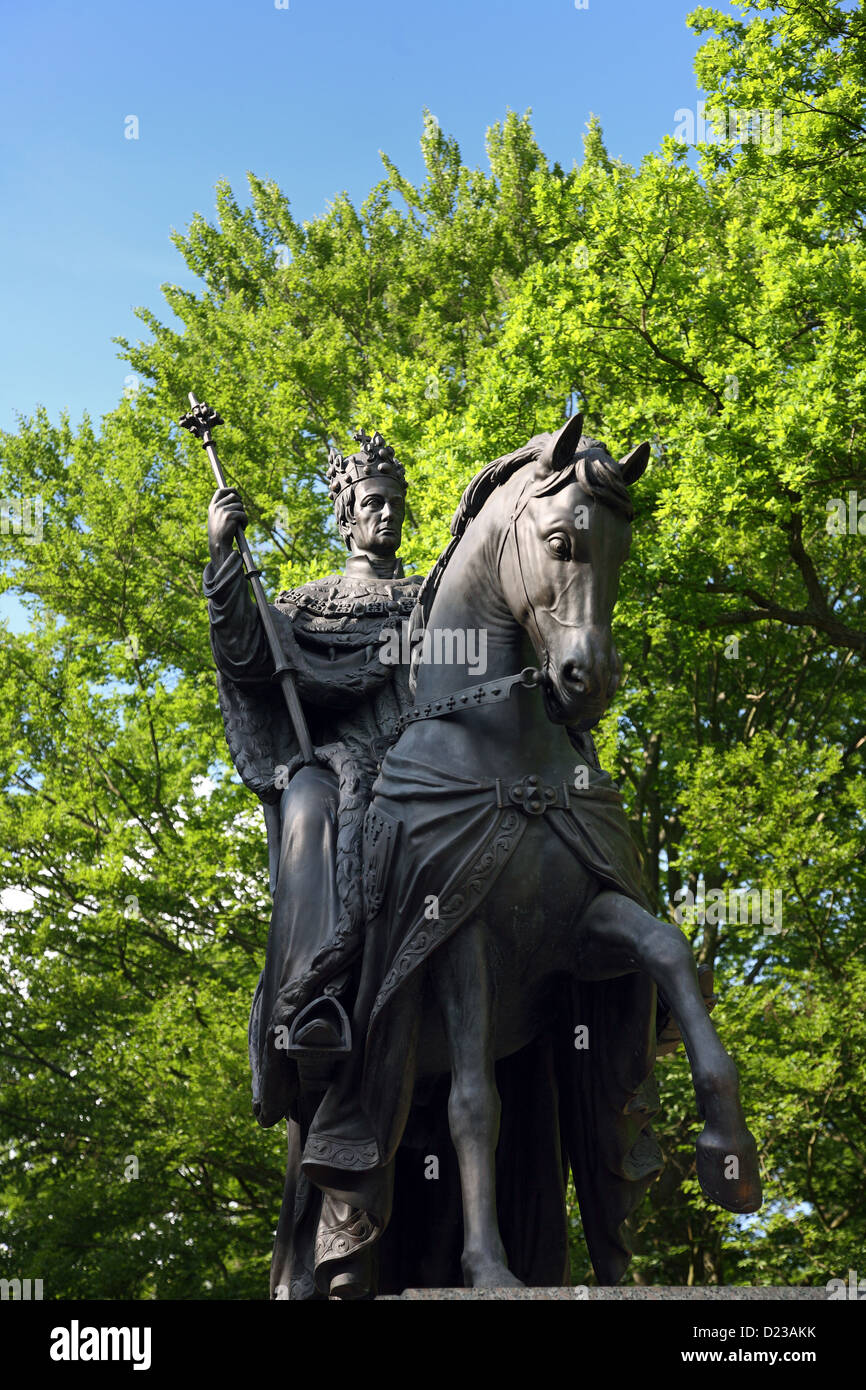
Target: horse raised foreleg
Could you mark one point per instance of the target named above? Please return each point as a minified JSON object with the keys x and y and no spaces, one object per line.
{"x":615,"y":929}
{"x":463,"y":983}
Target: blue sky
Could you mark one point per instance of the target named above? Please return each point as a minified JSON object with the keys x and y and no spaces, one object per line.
{"x":306,"y":95}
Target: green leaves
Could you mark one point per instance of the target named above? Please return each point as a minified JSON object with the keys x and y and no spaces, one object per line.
{"x":718,"y":315}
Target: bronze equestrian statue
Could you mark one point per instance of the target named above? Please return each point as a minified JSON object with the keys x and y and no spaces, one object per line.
{"x":463,"y":982}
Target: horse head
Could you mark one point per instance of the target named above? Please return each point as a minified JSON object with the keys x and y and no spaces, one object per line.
{"x":560,"y":555}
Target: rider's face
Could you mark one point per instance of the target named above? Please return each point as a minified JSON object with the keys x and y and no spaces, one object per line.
{"x":378,"y":521}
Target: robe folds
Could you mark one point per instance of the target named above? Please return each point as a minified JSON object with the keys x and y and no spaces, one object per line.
{"x":332,"y":632}
{"x":561,"y":1108}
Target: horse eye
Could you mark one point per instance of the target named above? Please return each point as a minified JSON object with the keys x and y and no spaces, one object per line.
{"x":559,"y":547}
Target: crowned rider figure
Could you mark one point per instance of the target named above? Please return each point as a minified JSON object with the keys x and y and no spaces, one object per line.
{"x":331,"y":633}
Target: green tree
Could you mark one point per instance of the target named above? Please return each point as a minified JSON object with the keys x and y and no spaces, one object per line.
{"x":716,"y":310}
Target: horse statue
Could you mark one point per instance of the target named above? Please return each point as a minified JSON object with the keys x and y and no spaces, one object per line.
{"x":510,"y":953}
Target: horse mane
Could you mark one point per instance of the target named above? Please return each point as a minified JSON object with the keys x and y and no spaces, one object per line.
{"x":597,"y":473}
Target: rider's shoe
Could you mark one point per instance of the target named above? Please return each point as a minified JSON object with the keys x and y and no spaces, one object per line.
{"x":318,"y":1033}
{"x":319,"y":1038}
{"x":320,"y":1029}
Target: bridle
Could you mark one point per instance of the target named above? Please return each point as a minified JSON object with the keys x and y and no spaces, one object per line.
{"x":492,"y":692}
{"x":511,"y":530}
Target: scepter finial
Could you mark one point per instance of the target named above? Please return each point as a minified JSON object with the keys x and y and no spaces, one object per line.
{"x":200,"y":418}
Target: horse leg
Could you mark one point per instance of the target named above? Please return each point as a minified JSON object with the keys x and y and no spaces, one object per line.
{"x":463,"y":983}
{"x":615,"y":930}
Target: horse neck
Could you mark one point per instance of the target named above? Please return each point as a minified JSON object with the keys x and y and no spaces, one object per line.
{"x":469,"y":602}
{"x":512,"y":738}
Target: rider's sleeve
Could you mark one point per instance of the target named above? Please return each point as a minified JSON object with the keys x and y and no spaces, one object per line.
{"x":237,"y":637}
{"x":241,"y":650}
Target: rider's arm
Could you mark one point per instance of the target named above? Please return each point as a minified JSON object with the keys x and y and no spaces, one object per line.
{"x":237,"y":637}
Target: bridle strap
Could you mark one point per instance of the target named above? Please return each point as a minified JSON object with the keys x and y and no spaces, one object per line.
{"x":522,"y":502}
{"x":470,"y":697}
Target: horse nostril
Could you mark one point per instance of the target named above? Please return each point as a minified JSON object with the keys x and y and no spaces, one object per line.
{"x":574,"y":674}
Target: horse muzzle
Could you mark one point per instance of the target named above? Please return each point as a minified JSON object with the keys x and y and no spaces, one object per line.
{"x":578,"y":692}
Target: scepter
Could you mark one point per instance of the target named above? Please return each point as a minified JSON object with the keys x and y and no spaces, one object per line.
{"x":199,"y":421}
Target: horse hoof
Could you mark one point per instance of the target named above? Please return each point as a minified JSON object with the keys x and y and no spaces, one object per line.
{"x":349,"y":1285}
{"x":728,"y":1170}
{"x":489,"y":1274}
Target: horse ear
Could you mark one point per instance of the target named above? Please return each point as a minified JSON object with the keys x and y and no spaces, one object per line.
{"x":634,"y":464}
{"x":560,"y":447}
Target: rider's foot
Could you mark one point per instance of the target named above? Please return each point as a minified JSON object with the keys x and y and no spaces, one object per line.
{"x":321,"y":1029}
{"x":319,"y":1032}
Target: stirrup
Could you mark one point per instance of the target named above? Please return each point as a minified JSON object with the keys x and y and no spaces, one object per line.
{"x":326,"y":1010}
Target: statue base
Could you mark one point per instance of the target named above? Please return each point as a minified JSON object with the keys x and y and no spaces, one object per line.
{"x":630,"y":1293}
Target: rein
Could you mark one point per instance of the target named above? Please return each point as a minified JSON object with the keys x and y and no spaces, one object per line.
{"x":470,"y":697}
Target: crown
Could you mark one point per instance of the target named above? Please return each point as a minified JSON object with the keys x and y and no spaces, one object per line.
{"x":374,"y":458}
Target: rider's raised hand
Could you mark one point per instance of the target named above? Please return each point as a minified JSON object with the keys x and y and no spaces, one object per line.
{"x":225,"y":514}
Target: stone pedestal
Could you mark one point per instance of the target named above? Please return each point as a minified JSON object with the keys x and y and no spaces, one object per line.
{"x":634,"y":1293}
